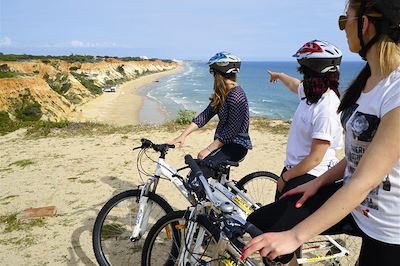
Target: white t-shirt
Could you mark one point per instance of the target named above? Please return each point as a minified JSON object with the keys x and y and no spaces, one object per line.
{"x":316,"y":121}
{"x":379,"y":214}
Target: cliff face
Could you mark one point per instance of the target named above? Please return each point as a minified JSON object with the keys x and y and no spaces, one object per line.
{"x":58,"y":86}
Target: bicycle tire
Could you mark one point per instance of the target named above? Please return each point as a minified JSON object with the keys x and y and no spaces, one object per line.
{"x":260,"y":186}
{"x":173,"y":223}
{"x":110,"y":239}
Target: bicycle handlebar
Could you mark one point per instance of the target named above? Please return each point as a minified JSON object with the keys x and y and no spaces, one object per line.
{"x":162,"y":148}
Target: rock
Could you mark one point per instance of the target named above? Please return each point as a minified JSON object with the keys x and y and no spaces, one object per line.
{"x":32,"y":213}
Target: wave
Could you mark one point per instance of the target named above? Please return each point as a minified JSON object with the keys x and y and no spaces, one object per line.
{"x":267,"y":101}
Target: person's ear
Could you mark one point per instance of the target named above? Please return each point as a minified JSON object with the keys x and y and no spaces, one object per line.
{"x":365,"y":23}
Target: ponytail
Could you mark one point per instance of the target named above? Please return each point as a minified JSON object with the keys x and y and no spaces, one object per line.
{"x":354,"y":91}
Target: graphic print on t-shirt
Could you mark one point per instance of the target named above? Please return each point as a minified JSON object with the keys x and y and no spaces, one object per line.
{"x":364,"y":126}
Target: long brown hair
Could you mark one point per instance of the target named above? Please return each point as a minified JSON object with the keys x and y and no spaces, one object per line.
{"x":388,"y":53}
{"x":221,"y":89}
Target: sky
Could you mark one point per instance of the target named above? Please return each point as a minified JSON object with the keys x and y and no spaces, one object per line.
{"x":262,"y":30}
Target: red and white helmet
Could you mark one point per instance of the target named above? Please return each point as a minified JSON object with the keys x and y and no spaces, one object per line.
{"x":319,"y":56}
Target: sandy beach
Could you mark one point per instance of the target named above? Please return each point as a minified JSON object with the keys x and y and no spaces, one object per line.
{"x":78,"y":173}
{"x":77,"y":170}
{"x":121,"y":107}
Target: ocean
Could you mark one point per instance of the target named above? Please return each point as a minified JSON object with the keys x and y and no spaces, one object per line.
{"x":191,"y":89}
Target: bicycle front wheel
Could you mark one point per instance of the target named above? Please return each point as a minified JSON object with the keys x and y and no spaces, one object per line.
{"x":166,"y":241}
{"x":114,"y":225}
{"x":260,"y":186}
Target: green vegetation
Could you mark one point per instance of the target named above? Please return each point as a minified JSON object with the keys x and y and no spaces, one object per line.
{"x":28,"y":109}
{"x":6,"y":72}
{"x":185,"y":117}
{"x":88,"y":83}
{"x":23,"y":242}
{"x":22,"y":163}
{"x":60,"y":82}
{"x":6,"y":124}
{"x":11,"y":223}
{"x":71,"y":58}
{"x":112,"y":230}
{"x":44,"y":128}
{"x":87,"y":181}
{"x":7,"y":200}
{"x":274,"y":126}
{"x":46,"y":59}
{"x":121,"y":70}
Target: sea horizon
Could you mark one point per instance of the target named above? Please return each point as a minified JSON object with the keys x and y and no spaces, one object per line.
{"x":191,"y":88}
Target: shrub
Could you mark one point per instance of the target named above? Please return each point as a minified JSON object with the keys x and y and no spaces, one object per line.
{"x":28,"y":110}
{"x":6,"y":124}
{"x":88,"y":83}
{"x":121,"y":70}
{"x":185,"y":117}
{"x":5,"y":68}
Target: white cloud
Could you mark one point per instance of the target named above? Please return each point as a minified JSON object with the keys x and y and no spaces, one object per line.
{"x":5,"y":41}
{"x":77,"y":43}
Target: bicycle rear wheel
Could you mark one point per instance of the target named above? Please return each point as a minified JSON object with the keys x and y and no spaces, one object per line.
{"x":320,"y":248}
{"x":114,"y":226}
{"x":260,"y":186}
{"x":166,"y":239}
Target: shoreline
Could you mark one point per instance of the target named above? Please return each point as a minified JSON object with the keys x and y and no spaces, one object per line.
{"x":122,"y":107}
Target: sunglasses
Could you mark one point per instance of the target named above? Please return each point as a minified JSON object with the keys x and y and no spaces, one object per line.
{"x":343,"y":20}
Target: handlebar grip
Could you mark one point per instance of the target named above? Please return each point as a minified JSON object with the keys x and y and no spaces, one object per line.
{"x":193,"y":165}
{"x":146,"y":143}
{"x":253,"y":230}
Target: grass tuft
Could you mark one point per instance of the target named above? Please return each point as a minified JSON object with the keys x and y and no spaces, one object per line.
{"x":22,"y":163}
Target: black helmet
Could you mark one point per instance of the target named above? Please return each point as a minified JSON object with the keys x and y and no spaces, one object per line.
{"x":388,"y":24}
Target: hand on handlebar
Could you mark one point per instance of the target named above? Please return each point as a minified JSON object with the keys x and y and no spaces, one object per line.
{"x":179,"y":141}
{"x":203,"y":154}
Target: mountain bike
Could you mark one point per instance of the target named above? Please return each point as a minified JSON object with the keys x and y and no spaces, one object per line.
{"x":213,"y":232}
{"x":124,"y":220}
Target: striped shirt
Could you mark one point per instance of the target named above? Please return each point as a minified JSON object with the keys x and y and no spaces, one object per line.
{"x":233,"y":125}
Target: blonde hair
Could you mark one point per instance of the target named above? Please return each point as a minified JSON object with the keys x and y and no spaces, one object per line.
{"x":221,"y":89}
{"x":389,"y":55}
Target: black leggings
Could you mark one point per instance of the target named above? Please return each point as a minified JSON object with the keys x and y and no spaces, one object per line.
{"x":229,"y":152}
{"x":283,"y":215}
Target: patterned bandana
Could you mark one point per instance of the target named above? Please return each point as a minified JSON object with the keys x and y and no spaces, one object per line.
{"x":314,"y":87}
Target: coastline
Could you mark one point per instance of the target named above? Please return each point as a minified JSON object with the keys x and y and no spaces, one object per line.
{"x":122,"y":107}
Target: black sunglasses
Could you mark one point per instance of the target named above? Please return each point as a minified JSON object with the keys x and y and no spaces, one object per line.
{"x":343,"y":20}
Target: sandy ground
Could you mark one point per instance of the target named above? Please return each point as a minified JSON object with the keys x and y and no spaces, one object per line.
{"x":122,"y":106}
{"x":78,"y":174}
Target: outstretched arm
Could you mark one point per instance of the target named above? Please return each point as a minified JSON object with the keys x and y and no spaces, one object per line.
{"x":289,"y":81}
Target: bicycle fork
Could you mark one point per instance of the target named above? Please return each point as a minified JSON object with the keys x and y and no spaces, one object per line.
{"x":143,"y":213}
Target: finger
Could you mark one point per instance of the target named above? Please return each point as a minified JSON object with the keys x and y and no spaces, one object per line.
{"x":250,"y":249}
{"x":272,"y":255}
{"x":301,"y":201}
{"x":290,"y":193}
